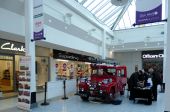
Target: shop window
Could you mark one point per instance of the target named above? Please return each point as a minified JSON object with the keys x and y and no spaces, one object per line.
{"x":6,"y":73}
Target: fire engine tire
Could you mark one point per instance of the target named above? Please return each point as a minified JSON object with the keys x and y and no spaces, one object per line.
{"x":149,"y":102}
{"x":122,"y":92}
{"x":85,"y":98}
{"x":111,"y":96}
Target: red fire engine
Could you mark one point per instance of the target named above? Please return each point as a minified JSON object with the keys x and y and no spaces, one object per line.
{"x":104,"y":83}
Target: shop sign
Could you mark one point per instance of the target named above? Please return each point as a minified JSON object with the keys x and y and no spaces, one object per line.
{"x":72,"y":56}
{"x":91,"y":59}
{"x":11,"y":47}
{"x":149,"y":56}
{"x":69,"y":57}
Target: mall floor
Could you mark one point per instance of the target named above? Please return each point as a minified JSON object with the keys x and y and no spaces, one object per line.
{"x":75,"y":104}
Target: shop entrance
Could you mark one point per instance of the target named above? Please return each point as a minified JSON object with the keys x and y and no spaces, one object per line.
{"x":42,"y":72}
{"x":6,"y":73}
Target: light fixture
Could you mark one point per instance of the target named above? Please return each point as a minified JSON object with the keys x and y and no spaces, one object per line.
{"x":61,"y":60}
{"x":119,"y":2}
{"x":68,"y":15}
{"x":91,"y":30}
{"x":65,"y":27}
{"x":146,"y":44}
{"x":49,"y":20}
{"x":158,"y":43}
{"x":67,"y":18}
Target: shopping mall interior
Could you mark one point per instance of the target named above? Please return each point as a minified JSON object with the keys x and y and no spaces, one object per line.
{"x":51,"y":50}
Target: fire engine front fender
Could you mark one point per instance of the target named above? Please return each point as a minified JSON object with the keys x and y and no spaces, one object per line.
{"x":110,"y":88}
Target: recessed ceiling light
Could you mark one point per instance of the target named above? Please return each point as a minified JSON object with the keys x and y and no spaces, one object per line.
{"x":146,"y":44}
{"x":158,"y":43}
{"x":123,"y":46}
{"x":65,"y":27}
{"x":49,"y":20}
{"x":136,"y":49}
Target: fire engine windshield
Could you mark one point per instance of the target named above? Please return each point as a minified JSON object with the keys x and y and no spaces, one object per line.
{"x":108,"y":71}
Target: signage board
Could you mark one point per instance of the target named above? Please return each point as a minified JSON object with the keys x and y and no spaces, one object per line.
{"x":72,"y":56}
{"x":156,"y":54}
{"x":38,"y":20}
{"x":24,"y":87}
{"x":11,"y":47}
{"x":148,"y":11}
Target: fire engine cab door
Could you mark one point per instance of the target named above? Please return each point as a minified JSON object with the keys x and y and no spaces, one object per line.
{"x":120,"y":79}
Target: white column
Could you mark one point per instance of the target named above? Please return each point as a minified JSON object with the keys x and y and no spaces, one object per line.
{"x":30,"y":46}
{"x":53,"y":75}
{"x":167,"y":62}
{"x":104,"y":44}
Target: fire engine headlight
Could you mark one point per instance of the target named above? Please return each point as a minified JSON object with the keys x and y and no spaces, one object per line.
{"x":105,"y":81}
{"x":81,"y":89}
{"x":101,"y":91}
{"x":88,"y":83}
{"x":110,"y":80}
{"x":100,"y":83}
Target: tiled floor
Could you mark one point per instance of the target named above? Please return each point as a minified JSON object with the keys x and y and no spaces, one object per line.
{"x":75,"y":104}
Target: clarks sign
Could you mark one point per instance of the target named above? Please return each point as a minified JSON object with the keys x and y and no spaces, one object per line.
{"x":11,"y":47}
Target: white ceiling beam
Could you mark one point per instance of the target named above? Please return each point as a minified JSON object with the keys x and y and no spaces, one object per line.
{"x":121,"y":14}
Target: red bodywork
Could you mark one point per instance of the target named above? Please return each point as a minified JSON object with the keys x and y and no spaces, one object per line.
{"x":105,"y":82}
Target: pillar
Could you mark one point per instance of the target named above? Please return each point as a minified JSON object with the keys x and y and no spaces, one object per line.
{"x":104,"y":44}
{"x":53,"y":69}
{"x":167,"y":60}
{"x":30,"y":47}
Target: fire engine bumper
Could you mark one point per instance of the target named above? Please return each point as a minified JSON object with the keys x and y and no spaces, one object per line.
{"x":99,"y":93}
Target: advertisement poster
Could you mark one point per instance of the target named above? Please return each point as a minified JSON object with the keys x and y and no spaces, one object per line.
{"x":24,"y":93}
{"x":148,"y":11}
{"x":38,"y":20}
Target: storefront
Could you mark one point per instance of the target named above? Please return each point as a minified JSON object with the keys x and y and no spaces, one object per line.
{"x":10,"y":52}
{"x":42,"y":66}
{"x":9,"y":64}
{"x":71,"y":65}
{"x":153,"y":59}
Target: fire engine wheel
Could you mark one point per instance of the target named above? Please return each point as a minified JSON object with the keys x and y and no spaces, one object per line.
{"x":122,"y":92}
{"x":110,"y":97}
{"x":85,"y":98}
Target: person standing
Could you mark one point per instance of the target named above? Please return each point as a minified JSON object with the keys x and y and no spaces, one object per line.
{"x":132,"y":82}
{"x":155,"y":80}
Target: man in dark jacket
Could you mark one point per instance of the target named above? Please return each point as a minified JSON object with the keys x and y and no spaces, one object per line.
{"x":132,"y":82}
{"x":155,"y":80}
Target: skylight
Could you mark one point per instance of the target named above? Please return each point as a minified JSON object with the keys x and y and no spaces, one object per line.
{"x":109,"y":14}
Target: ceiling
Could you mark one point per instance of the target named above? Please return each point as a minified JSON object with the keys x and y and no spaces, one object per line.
{"x":16,"y":6}
{"x":115,"y":17}
{"x":104,"y":11}
{"x":94,"y":6}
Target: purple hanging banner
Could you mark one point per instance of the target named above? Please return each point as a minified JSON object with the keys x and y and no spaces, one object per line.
{"x":148,"y":11}
{"x":38,"y":20}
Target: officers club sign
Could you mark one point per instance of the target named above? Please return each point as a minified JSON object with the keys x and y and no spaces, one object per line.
{"x":152,"y":54}
{"x":149,"y":56}
{"x":11,"y":47}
